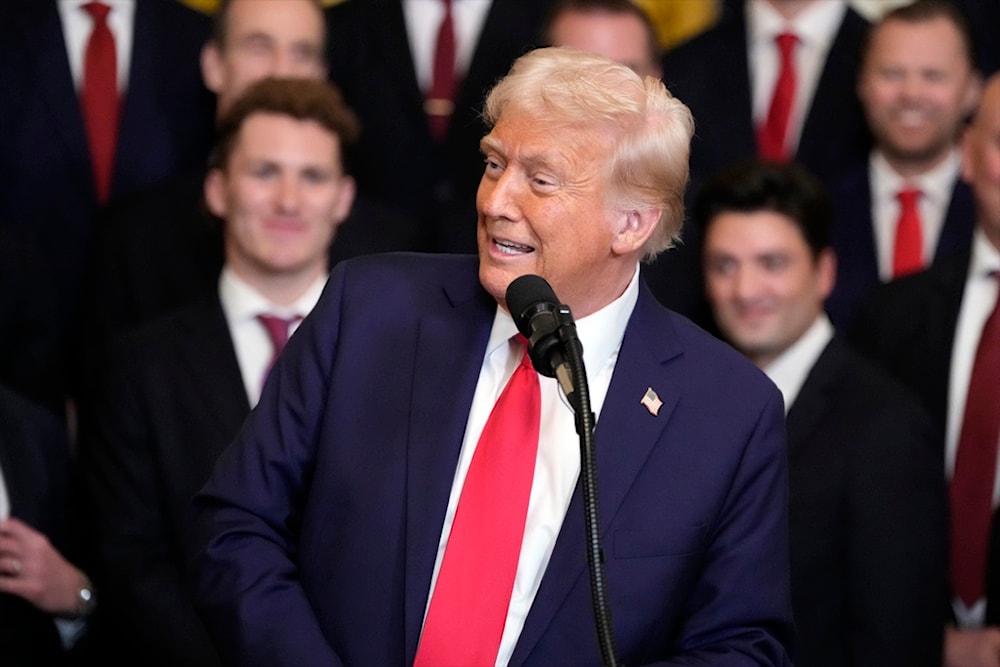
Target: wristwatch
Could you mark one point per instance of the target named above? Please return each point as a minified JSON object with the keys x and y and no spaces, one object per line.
{"x":86,"y":599}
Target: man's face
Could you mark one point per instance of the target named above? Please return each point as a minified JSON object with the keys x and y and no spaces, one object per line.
{"x":281,"y":195}
{"x":545,"y":208}
{"x":620,"y":37}
{"x":981,"y":163}
{"x":917,"y":87}
{"x":265,"y":38}
{"x":764,"y":285}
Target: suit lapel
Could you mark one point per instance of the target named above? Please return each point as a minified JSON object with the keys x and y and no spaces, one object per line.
{"x":625,"y":434}
{"x":450,"y":348}
{"x":813,"y":399}
{"x":205,"y":351}
{"x":959,"y":221}
{"x":56,"y":89}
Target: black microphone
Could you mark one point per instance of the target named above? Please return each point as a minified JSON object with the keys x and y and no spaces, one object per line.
{"x":547,"y":324}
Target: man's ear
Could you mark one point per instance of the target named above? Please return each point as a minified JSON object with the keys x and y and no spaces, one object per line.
{"x":633,"y":229}
{"x":215,"y":193}
{"x":211,"y":67}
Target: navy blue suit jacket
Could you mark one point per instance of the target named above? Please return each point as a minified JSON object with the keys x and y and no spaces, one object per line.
{"x":318,"y":530}
{"x":853,"y":239}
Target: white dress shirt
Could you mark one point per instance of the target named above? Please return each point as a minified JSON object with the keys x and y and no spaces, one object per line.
{"x":241,"y":305}
{"x":423,"y":18}
{"x":936,"y":186}
{"x":791,"y":368}
{"x":978,"y":300}
{"x":4,"y":497}
{"x":77,"y":25}
{"x":816,"y":27}
{"x":558,"y":464}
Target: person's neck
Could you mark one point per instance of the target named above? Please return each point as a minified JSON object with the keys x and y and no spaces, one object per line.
{"x":789,"y":9}
{"x":911,"y":167}
{"x":281,"y":289}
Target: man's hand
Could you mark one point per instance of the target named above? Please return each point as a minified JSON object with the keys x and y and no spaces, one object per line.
{"x":31,"y":568}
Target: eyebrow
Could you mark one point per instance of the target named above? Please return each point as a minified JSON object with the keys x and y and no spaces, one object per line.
{"x":531,"y":162}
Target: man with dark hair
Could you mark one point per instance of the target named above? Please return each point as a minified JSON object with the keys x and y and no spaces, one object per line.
{"x":866,"y":505}
{"x":178,"y":387}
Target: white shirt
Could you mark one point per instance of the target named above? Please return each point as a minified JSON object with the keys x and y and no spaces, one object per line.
{"x":978,"y":300}
{"x":423,"y":18}
{"x":241,"y":305}
{"x":790,"y":370}
{"x":816,"y":27}
{"x":77,"y":25}
{"x":558,"y":464}
{"x":4,"y":497}
{"x":936,"y":186}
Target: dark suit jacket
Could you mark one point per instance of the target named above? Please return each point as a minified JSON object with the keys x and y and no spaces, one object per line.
{"x":166,"y":125}
{"x":867,"y":519}
{"x":318,"y":530}
{"x":34,"y":454}
{"x":711,"y":75}
{"x":396,"y":161}
{"x":174,"y":400}
{"x":853,"y":239}
{"x":908,"y":325}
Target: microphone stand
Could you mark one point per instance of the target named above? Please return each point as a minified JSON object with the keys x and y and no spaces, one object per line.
{"x":579,"y":400}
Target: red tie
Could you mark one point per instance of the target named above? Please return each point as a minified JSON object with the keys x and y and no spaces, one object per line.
{"x":468,"y":608}
{"x":99,"y":98}
{"x":772,"y":136}
{"x":908,"y":250}
{"x":971,"y":490}
{"x":277,"y":330}
{"x":440,"y":100}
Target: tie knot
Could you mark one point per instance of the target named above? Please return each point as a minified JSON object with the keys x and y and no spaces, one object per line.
{"x":98,"y":10}
{"x":277,"y":328}
{"x":525,"y":357}
{"x":786,"y":42}
{"x":909,"y":196}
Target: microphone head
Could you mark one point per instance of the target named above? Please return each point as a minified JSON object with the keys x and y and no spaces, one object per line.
{"x":526,"y":297}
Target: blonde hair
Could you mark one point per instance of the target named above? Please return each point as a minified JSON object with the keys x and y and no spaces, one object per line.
{"x":651,"y":129}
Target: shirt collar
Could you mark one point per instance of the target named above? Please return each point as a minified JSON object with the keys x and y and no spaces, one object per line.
{"x":241,"y":301}
{"x":600,"y":333}
{"x":816,"y":26}
{"x":936,"y":184}
{"x":791,"y":368}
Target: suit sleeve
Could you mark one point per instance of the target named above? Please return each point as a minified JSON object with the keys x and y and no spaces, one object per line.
{"x":244,"y":564}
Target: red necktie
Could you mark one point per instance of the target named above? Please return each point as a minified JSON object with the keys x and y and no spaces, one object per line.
{"x":469,"y":604}
{"x":772,"y":136}
{"x":440,"y":101}
{"x":908,"y":250}
{"x":99,"y":98}
{"x":971,"y":490}
{"x":277,"y":331}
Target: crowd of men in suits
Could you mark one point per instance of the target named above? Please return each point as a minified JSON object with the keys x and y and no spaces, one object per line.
{"x":132,"y":322}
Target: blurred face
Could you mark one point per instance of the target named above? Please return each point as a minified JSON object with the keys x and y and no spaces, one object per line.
{"x":264,"y":38}
{"x":620,"y":37}
{"x":764,"y":285}
{"x":282,"y":195}
{"x":544,"y":208}
{"x":981,"y":163}
{"x":917,"y":86}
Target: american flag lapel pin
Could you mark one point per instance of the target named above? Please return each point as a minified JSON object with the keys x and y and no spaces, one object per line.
{"x":651,"y":401}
